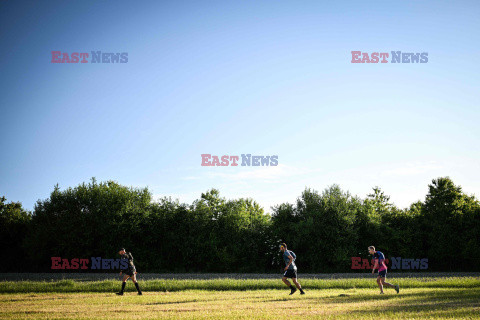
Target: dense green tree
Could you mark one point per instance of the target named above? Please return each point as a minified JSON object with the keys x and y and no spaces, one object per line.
{"x":14,"y":222}
{"x":449,"y":217}
{"x":214,"y":234}
{"x":321,"y":228}
{"x":90,"y":220}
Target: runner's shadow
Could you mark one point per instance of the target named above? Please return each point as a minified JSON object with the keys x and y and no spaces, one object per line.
{"x":183,"y":302}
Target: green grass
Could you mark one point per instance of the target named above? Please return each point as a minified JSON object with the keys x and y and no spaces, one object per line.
{"x":352,"y":304}
{"x":419,"y":298}
{"x":171,"y":285}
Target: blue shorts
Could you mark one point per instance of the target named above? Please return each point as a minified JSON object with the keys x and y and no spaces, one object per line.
{"x":382,"y":273}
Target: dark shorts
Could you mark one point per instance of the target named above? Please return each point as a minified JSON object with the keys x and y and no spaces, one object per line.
{"x":290,"y":273}
{"x":130,"y":271}
{"x":382,"y":273}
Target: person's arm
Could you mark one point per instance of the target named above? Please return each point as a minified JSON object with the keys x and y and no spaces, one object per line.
{"x":375,"y":266}
{"x":289,"y":262}
{"x":122,"y":270}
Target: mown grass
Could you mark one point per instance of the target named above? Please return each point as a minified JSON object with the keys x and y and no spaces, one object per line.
{"x":172,"y":285}
{"x":352,"y":304}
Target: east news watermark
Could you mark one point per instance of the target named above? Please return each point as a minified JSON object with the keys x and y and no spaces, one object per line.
{"x":245,"y":160}
{"x":94,"y":263}
{"x":89,"y":57}
{"x":398,"y":263}
{"x":389,"y":57}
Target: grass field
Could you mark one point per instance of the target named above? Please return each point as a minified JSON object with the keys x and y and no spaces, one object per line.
{"x":420,"y":298}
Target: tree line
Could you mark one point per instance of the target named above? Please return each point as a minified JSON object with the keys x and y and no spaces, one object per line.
{"x":325,"y":229}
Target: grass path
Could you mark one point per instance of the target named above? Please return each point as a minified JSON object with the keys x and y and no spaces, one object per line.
{"x":352,"y":304}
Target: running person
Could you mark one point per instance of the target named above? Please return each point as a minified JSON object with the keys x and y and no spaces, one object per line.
{"x":129,"y":272}
{"x":382,"y":269}
{"x":290,"y":269}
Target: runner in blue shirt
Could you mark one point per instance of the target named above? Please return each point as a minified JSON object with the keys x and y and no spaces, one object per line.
{"x":290,"y":270}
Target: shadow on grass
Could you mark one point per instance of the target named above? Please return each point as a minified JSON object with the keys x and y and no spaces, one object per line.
{"x":452,"y":294}
{"x":29,"y":298}
{"x":174,"y":302}
{"x":430,"y":300}
{"x":442,"y":303}
{"x":435,"y":310}
{"x":183,"y":302}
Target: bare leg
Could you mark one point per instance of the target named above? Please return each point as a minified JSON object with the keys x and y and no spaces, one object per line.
{"x":292,"y":288}
{"x":284,"y":279}
{"x":134,"y":279}
{"x":124,"y":282}
{"x":296,"y":283}
{"x":387,"y":284}
{"x":379,"y":282}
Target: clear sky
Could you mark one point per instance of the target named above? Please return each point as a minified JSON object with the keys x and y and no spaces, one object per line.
{"x":233,"y":77}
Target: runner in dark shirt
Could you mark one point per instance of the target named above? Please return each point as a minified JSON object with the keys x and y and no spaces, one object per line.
{"x":129,"y":272}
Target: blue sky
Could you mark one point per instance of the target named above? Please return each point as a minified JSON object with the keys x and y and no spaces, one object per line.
{"x":236,"y":77}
